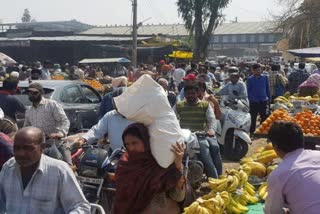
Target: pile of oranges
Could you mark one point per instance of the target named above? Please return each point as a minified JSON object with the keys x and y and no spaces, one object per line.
{"x":94,"y":83}
{"x":57,"y":77}
{"x":309,"y":123}
{"x":279,"y":114}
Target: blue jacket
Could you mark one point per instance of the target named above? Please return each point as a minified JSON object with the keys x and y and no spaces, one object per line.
{"x":258,"y":88}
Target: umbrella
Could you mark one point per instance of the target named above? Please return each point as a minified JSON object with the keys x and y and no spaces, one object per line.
{"x":6,"y":60}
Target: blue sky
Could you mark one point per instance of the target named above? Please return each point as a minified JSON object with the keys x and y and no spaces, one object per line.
{"x":102,"y":12}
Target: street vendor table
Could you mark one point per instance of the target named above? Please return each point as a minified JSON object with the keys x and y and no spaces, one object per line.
{"x":309,"y":142}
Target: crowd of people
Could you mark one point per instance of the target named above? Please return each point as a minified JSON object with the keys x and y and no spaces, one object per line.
{"x":32,"y":179}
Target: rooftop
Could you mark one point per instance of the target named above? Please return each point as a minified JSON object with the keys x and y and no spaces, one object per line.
{"x":73,"y":38}
{"x":180,"y":30}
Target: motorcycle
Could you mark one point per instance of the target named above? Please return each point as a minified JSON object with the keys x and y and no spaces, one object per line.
{"x":95,"y":173}
{"x":233,"y":129}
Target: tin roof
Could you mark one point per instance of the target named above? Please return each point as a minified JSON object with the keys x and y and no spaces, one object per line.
{"x":180,"y":30}
{"x":73,"y":38}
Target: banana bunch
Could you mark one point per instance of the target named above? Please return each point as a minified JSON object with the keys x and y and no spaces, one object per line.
{"x":257,"y":163}
{"x":262,"y":191}
{"x":214,"y":205}
{"x":241,"y":198}
{"x":283,"y":100}
{"x":230,"y":181}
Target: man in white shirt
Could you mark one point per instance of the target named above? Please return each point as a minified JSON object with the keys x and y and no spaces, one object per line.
{"x":179,"y":74}
{"x":31,"y":182}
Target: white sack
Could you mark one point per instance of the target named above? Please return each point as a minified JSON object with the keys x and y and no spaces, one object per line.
{"x":146,"y":102}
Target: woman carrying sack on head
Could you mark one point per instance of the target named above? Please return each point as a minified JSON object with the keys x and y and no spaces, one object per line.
{"x":142,"y":186}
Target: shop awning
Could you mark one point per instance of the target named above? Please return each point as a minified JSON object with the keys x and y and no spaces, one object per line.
{"x":306,"y":52}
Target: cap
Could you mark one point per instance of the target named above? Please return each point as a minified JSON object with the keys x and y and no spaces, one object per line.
{"x":190,"y":77}
{"x":35,"y":86}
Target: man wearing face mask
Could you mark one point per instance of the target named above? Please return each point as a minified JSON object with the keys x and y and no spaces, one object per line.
{"x":49,"y":116}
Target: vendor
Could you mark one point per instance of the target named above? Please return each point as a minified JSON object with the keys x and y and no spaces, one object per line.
{"x":142,"y":185}
{"x":295,"y":183}
{"x":311,"y":86}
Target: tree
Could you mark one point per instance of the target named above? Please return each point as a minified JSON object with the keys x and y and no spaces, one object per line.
{"x":201,"y":17}
{"x":26,"y":17}
{"x":299,"y":22}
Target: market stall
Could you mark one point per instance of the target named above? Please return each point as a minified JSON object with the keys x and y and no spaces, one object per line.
{"x":241,"y":190}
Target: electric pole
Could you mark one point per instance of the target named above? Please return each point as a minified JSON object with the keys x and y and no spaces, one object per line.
{"x":134,"y":34}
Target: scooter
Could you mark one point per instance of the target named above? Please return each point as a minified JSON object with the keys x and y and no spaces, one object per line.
{"x":234,"y":128}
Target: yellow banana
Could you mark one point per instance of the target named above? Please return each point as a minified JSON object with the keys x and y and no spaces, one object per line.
{"x":225,"y":196}
{"x":203,"y":210}
{"x":192,"y":208}
{"x":246,"y":159}
{"x":234,"y":185}
{"x":251,"y":199}
{"x":237,"y":207}
{"x":250,"y":189}
{"x":243,"y":177}
{"x":262,"y":191}
{"x":265,"y":196}
{"x":225,"y":184}
{"x":211,"y":194}
{"x":246,"y":169}
{"x":211,"y":204}
{"x":213,"y":183}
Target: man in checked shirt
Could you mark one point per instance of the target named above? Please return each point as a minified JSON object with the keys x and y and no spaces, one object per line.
{"x":49,"y":116}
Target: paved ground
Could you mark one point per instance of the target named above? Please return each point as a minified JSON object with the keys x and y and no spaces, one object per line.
{"x":252,"y":148}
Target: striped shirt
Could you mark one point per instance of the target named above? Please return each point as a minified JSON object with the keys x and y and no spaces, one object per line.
{"x":199,"y":117}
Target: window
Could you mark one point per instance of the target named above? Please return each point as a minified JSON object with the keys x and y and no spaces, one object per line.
{"x":271,"y":38}
{"x":252,"y":38}
{"x":243,"y":38}
{"x":234,"y":38}
{"x":225,"y":39}
{"x":261,"y":38}
{"x":71,"y":94}
{"x":216,"y":39}
{"x":90,"y":95}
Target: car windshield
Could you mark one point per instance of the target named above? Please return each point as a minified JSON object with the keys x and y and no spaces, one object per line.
{"x":22,"y":95}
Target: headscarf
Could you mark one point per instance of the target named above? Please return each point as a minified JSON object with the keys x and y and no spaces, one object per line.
{"x":139,"y":178}
{"x":116,"y":82}
{"x":312,"y":81}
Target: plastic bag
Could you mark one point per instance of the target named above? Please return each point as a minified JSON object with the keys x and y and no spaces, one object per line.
{"x":146,"y":102}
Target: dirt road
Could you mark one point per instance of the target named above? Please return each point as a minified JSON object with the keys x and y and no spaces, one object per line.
{"x":252,"y":148}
